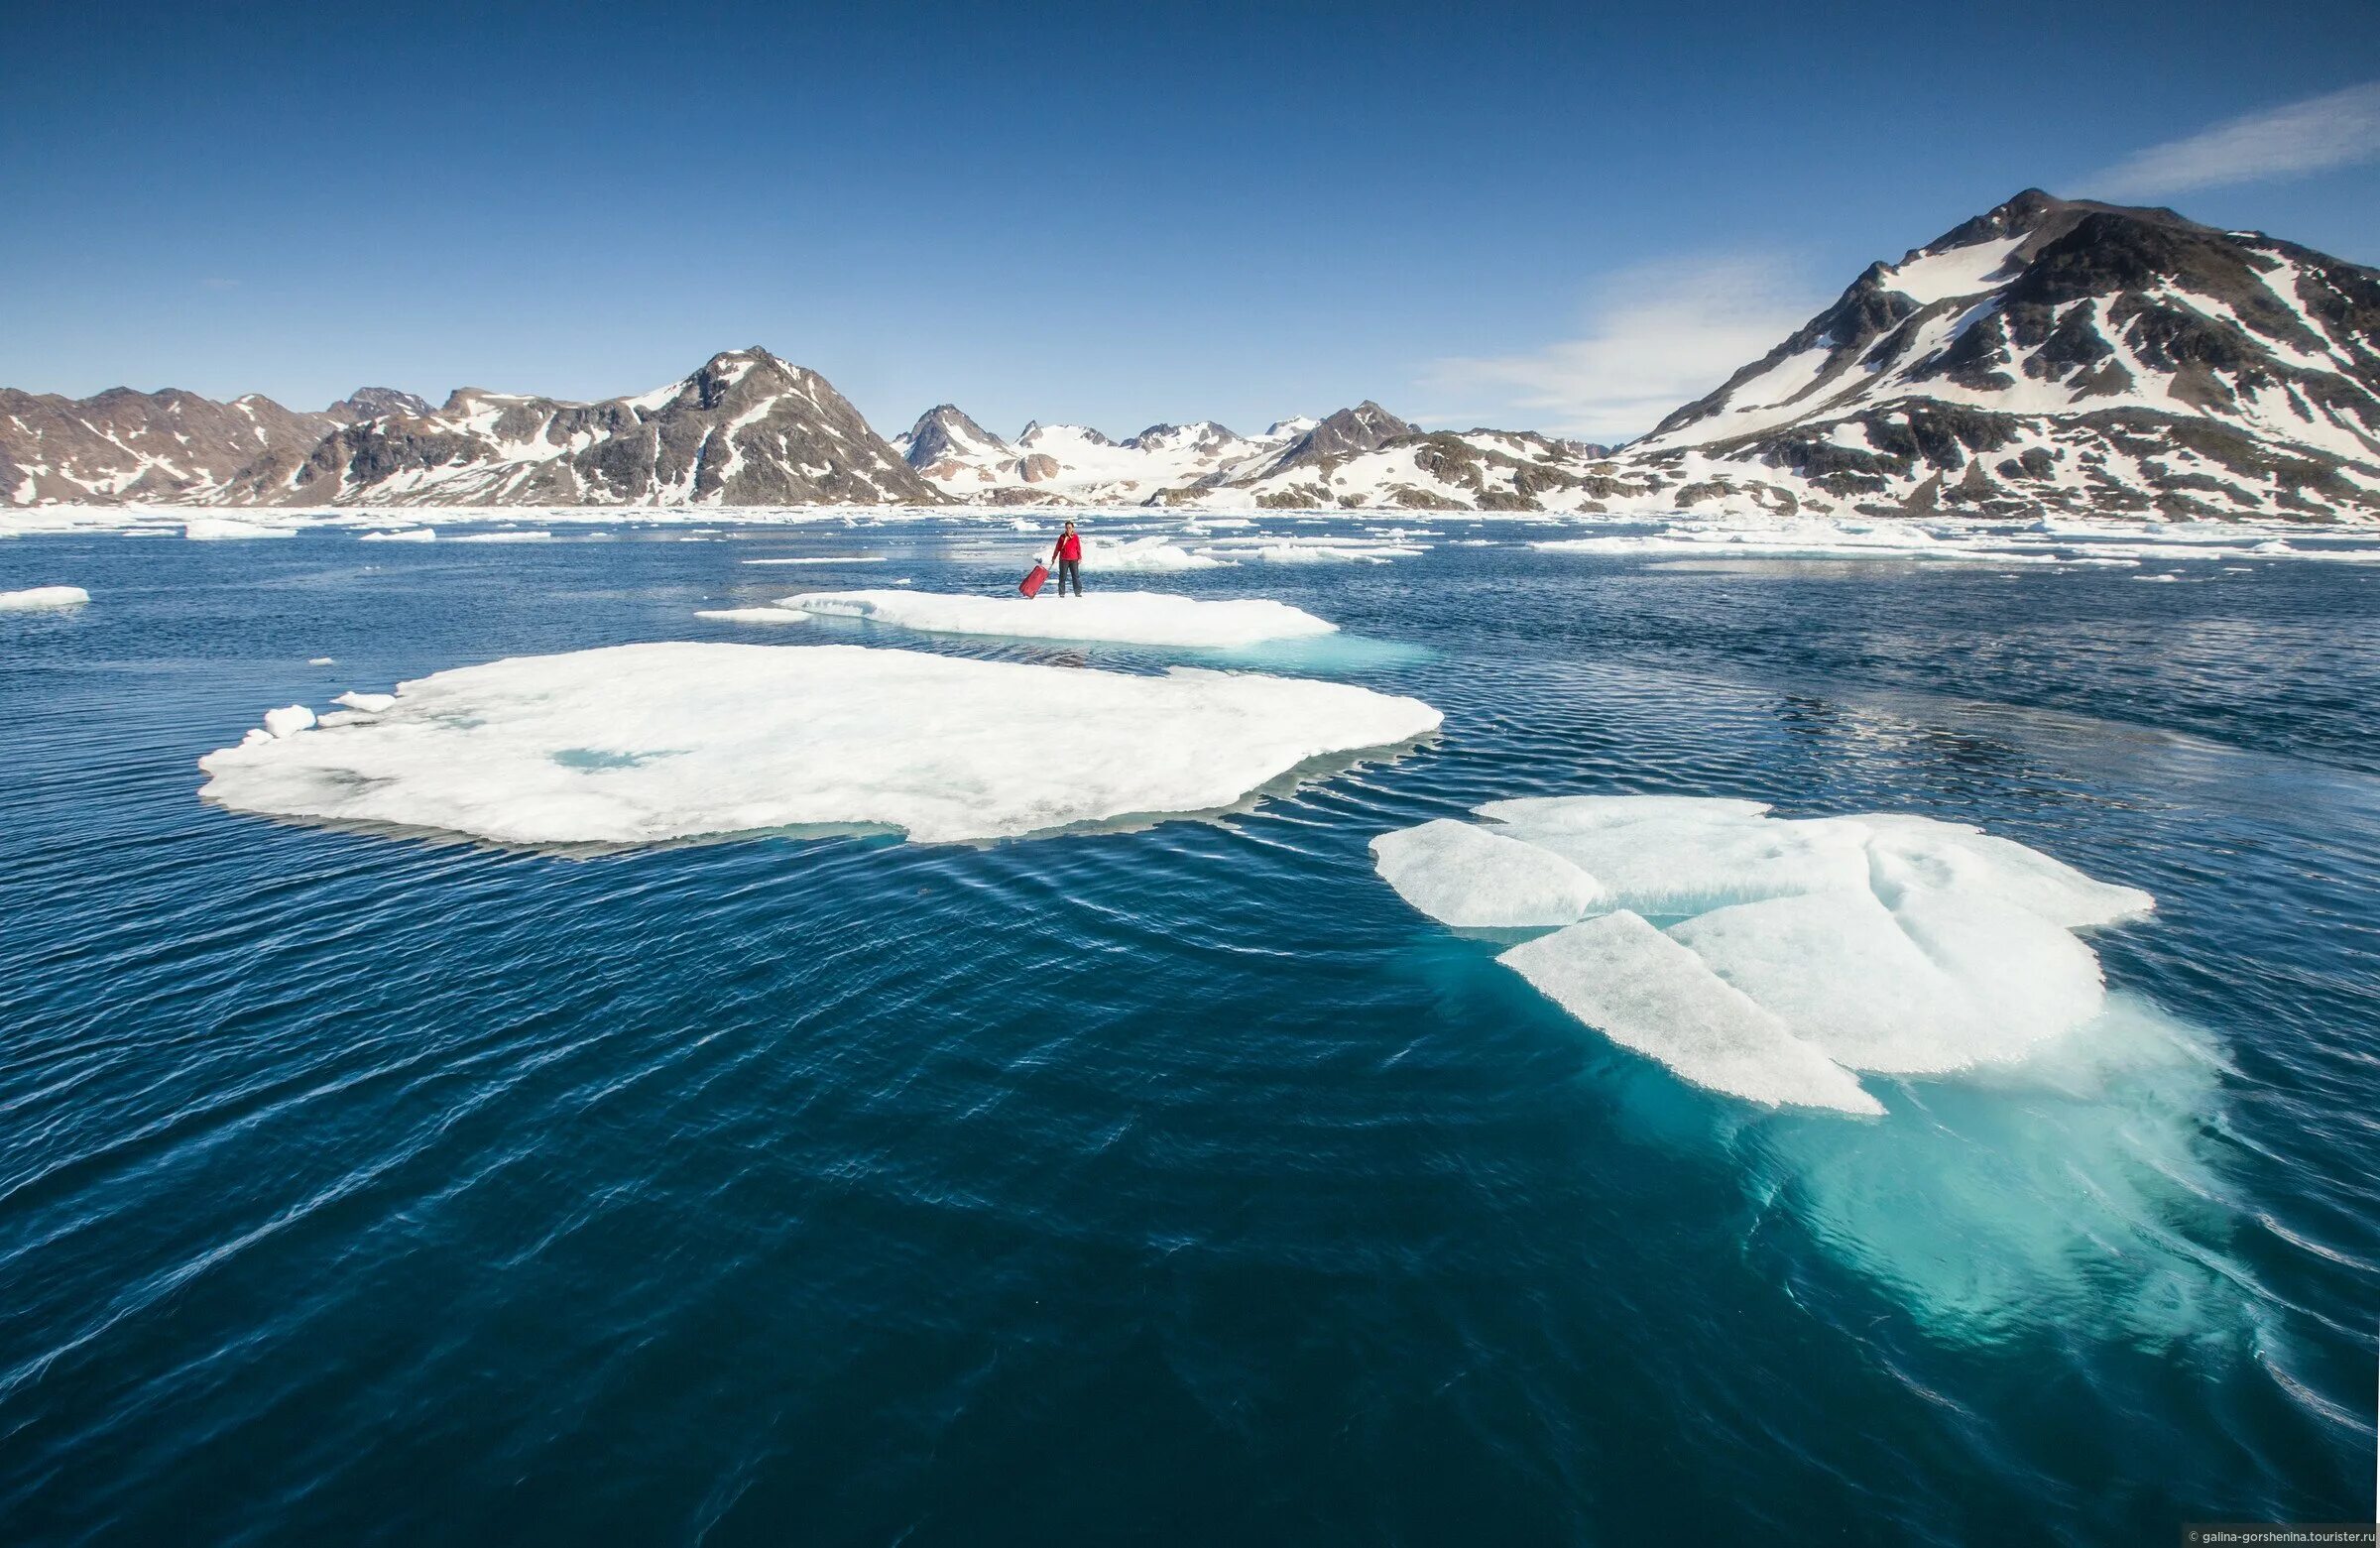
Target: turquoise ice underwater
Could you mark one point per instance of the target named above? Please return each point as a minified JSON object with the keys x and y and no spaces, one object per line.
{"x":846,"y":1186}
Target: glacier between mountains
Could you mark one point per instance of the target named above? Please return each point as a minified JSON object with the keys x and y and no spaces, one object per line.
{"x":1800,"y":952}
{"x":648,"y":743}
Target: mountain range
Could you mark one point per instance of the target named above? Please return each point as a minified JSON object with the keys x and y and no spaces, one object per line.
{"x":2050,"y":355}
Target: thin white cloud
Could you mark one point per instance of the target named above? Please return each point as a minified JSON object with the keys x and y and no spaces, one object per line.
{"x":2339,"y":129}
{"x":1655,"y":336}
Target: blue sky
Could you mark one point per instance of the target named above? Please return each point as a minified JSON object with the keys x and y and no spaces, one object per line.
{"x":1556,"y":217}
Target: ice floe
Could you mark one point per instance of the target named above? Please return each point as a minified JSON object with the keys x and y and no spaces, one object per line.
{"x":770,"y":616}
{"x":648,"y":743}
{"x":401,"y":535}
{"x":1308,"y":551}
{"x":1885,"y":943}
{"x":1117,"y":617}
{"x":1144,"y":557}
{"x":43,"y":599}
{"x":212,"y":528}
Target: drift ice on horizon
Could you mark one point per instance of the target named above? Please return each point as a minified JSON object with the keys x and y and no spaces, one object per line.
{"x":648,"y":743}
{"x":1800,"y":952}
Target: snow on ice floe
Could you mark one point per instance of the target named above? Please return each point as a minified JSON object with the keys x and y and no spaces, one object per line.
{"x":43,"y":599}
{"x":648,"y":742}
{"x":214,"y":528}
{"x":1144,"y":557}
{"x":1883,"y":943}
{"x":1115,"y":616}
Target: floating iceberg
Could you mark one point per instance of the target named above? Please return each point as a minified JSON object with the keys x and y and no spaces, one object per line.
{"x":1308,"y":551}
{"x":1144,"y":557}
{"x":401,"y":535}
{"x":43,"y":599}
{"x":214,"y":528}
{"x":1797,"y":952}
{"x":1118,"y":617}
{"x":648,"y":743}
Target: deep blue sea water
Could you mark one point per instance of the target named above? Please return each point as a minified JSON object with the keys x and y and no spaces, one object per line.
{"x":1183,"y":1185}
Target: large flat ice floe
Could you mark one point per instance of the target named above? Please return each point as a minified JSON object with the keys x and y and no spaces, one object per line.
{"x":1116,"y":617}
{"x":1796,"y":953}
{"x":648,"y":743}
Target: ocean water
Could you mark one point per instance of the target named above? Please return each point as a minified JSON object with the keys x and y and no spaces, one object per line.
{"x":1181,"y":1185}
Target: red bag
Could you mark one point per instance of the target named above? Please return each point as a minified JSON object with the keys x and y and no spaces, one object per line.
{"x":1031,"y":584}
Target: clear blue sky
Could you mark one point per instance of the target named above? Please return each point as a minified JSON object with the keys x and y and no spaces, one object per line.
{"x":1111,"y":215}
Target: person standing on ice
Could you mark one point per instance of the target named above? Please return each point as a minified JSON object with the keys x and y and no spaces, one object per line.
{"x":1068,"y":558}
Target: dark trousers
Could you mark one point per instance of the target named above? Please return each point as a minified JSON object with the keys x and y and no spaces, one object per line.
{"x":1070,"y":569}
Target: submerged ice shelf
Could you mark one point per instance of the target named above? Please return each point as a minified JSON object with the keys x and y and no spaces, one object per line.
{"x":648,"y":742}
{"x":1800,"y":952}
{"x":1116,"y":617}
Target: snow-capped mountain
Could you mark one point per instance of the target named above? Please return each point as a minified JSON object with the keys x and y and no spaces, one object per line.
{"x":2063,"y":355}
{"x":1073,"y":464}
{"x":747,"y":429}
{"x":2050,"y":355}
{"x":122,"y":446}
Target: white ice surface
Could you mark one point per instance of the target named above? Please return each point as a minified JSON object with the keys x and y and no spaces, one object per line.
{"x":369,"y":703}
{"x":40,"y":599}
{"x":1888,"y":943}
{"x":1472,"y":877}
{"x":215,"y":529}
{"x":752,"y":615}
{"x":1124,"y":617}
{"x":402,"y":535}
{"x":647,"y":743}
{"x":1646,"y":992}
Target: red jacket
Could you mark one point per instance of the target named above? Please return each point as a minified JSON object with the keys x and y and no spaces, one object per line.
{"x":1070,"y":545}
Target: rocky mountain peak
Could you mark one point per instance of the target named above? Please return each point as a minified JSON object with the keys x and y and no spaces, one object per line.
{"x":944,"y":437}
{"x":370,"y":402}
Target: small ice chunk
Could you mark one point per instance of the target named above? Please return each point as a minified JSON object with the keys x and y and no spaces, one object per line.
{"x":369,"y":703}
{"x":1124,"y":617}
{"x":320,"y":660}
{"x":402,"y":535}
{"x":43,"y":599}
{"x":1645,"y":991}
{"x":288,"y":721}
{"x":1473,"y":878}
